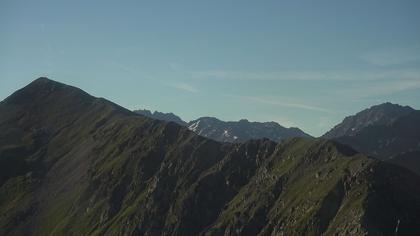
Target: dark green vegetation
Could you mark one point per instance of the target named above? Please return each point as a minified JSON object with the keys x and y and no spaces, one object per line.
{"x":388,"y":132}
{"x":72,"y":164}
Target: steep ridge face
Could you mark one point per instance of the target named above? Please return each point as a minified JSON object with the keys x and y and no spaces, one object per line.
{"x":408,"y":159}
{"x":398,"y":142}
{"x":243,"y":130}
{"x":388,"y":140}
{"x":383,"y":114}
{"x":73,"y":164}
{"x":395,"y":138}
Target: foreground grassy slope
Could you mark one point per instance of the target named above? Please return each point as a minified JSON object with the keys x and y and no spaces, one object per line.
{"x":72,"y":164}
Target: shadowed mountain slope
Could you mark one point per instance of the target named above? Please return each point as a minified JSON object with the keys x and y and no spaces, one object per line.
{"x":72,"y":164}
{"x":383,"y":114}
{"x":389,"y":132}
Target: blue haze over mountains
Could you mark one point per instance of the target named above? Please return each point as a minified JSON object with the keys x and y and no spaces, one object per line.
{"x":230,"y":131}
{"x":298,"y":117}
{"x":72,"y":164}
{"x":303,"y":64}
{"x":389,"y":132}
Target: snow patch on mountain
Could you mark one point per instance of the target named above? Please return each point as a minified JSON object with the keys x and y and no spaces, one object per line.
{"x":194,"y":126}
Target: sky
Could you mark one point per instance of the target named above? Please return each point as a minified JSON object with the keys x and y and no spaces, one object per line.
{"x":300,"y":63}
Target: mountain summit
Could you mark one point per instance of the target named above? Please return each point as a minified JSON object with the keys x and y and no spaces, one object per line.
{"x":383,"y":114}
{"x":73,"y":164}
{"x":389,"y":132}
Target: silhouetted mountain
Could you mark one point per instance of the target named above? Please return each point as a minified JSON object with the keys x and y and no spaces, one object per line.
{"x":393,"y":135}
{"x":170,"y":117}
{"x":383,"y":114}
{"x":243,"y":130}
{"x":73,"y":164}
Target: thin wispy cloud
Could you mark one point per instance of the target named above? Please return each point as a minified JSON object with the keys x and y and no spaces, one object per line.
{"x":174,"y":66}
{"x":379,"y":89}
{"x":126,"y":68}
{"x":354,"y":75}
{"x":324,"y":122}
{"x":283,"y":103}
{"x":184,"y":87}
{"x":394,"y":56}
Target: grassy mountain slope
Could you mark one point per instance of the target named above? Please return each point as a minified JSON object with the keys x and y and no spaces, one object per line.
{"x":72,"y":164}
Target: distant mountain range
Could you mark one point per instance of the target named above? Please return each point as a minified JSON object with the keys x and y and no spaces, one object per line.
{"x":389,"y":132}
{"x":170,"y":117}
{"x":230,"y":131}
{"x":73,"y":164}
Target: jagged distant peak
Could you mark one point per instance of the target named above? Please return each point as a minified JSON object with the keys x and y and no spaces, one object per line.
{"x":242,"y":130}
{"x":229,"y":131}
{"x":161,"y":116}
{"x":381,"y":114}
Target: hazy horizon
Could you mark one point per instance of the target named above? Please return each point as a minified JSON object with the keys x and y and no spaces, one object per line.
{"x":302,"y":64}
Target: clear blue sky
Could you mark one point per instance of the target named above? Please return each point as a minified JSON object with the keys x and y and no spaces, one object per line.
{"x":300,"y":63}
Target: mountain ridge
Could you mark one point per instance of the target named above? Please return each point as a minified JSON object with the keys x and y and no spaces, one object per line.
{"x":86,"y":166}
{"x":242,"y":130}
{"x":230,"y":131}
{"x":394,"y":136}
{"x":161,"y":116}
{"x":382,"y":114}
